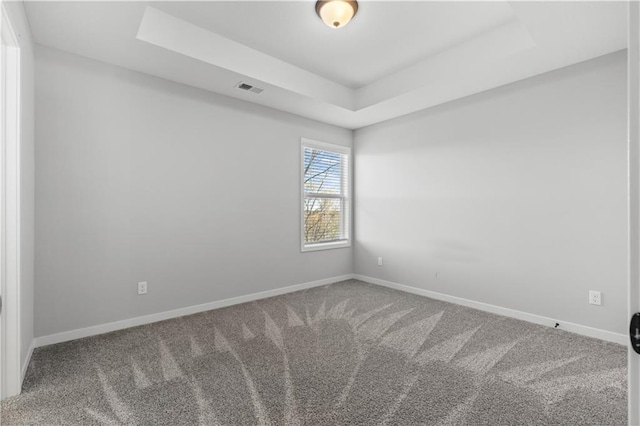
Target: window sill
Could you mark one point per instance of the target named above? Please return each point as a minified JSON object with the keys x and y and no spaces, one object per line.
{"x":325,"y":246}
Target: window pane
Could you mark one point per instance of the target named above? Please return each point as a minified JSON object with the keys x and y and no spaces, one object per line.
{"x":322,"y":171}
{"x":322,"y":219}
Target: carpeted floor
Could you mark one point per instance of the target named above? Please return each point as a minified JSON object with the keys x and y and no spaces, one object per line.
{"x":349,"y":353}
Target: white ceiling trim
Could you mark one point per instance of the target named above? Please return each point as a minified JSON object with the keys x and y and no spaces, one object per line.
{"x":174,"y":34}
{"x":169,"y":32}
{"x":529,"y":39}
{"x":502,"y":41}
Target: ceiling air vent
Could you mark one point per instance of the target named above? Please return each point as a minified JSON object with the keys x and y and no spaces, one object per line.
{"x":249,"y":88}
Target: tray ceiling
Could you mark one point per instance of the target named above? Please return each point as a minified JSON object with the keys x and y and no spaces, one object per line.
{"x":394,"y":58}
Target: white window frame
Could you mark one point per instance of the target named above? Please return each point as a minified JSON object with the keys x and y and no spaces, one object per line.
{"x":347,"y":208}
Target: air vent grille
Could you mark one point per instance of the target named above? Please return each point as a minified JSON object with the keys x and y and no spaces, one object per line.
{"x":249,"y":88}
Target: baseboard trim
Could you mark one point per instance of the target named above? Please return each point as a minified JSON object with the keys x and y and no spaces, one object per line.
{"x":512,"y":313}
{"x":27,"y":360}
{"x":161,"y":316}
{"x":189,"y":310}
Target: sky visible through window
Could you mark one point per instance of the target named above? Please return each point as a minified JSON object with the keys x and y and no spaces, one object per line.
{"x":322,"y":171}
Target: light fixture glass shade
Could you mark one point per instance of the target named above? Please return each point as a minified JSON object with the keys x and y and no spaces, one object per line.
{"x":336,"y":13}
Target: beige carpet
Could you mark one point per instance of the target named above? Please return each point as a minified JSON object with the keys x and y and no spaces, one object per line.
{"x":345,"y":354}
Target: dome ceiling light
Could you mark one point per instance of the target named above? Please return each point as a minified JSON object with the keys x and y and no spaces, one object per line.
{"x":336,"y":13}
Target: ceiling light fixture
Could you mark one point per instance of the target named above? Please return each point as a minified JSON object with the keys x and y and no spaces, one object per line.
{"x":336,"y":13}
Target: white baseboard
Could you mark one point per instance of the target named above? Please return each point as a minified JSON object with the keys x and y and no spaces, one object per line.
{"x":161,"y":316}
{"x":189,"y":310}
{"x":25,"y":363}
{"x":512,"y":313}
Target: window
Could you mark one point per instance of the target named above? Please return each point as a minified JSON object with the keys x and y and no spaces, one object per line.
{"x":325,"y":196}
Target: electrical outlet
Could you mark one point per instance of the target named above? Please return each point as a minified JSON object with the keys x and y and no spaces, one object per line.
{"x":142,"y":287}
{"x":595,"y":297}
{"x":380,"y":261}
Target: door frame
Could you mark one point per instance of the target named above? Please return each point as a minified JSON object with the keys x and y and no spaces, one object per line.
{"x":633,"y":110}
{"x":10,"y":108}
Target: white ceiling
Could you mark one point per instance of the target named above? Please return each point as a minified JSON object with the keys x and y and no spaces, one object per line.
{"x":379,"y":41}
{"x":392,"y":59}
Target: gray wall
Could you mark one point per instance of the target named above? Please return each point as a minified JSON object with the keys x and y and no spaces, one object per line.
{"x":514,"y":197}
{"x":141,"y":179}
{"x":27,"y":192}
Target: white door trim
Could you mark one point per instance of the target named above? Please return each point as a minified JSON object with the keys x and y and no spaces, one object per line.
{"x":634,"y":201}
{"x":10,"y":345}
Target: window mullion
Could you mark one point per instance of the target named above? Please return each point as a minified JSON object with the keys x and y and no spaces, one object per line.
{"x":321,"y":195}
